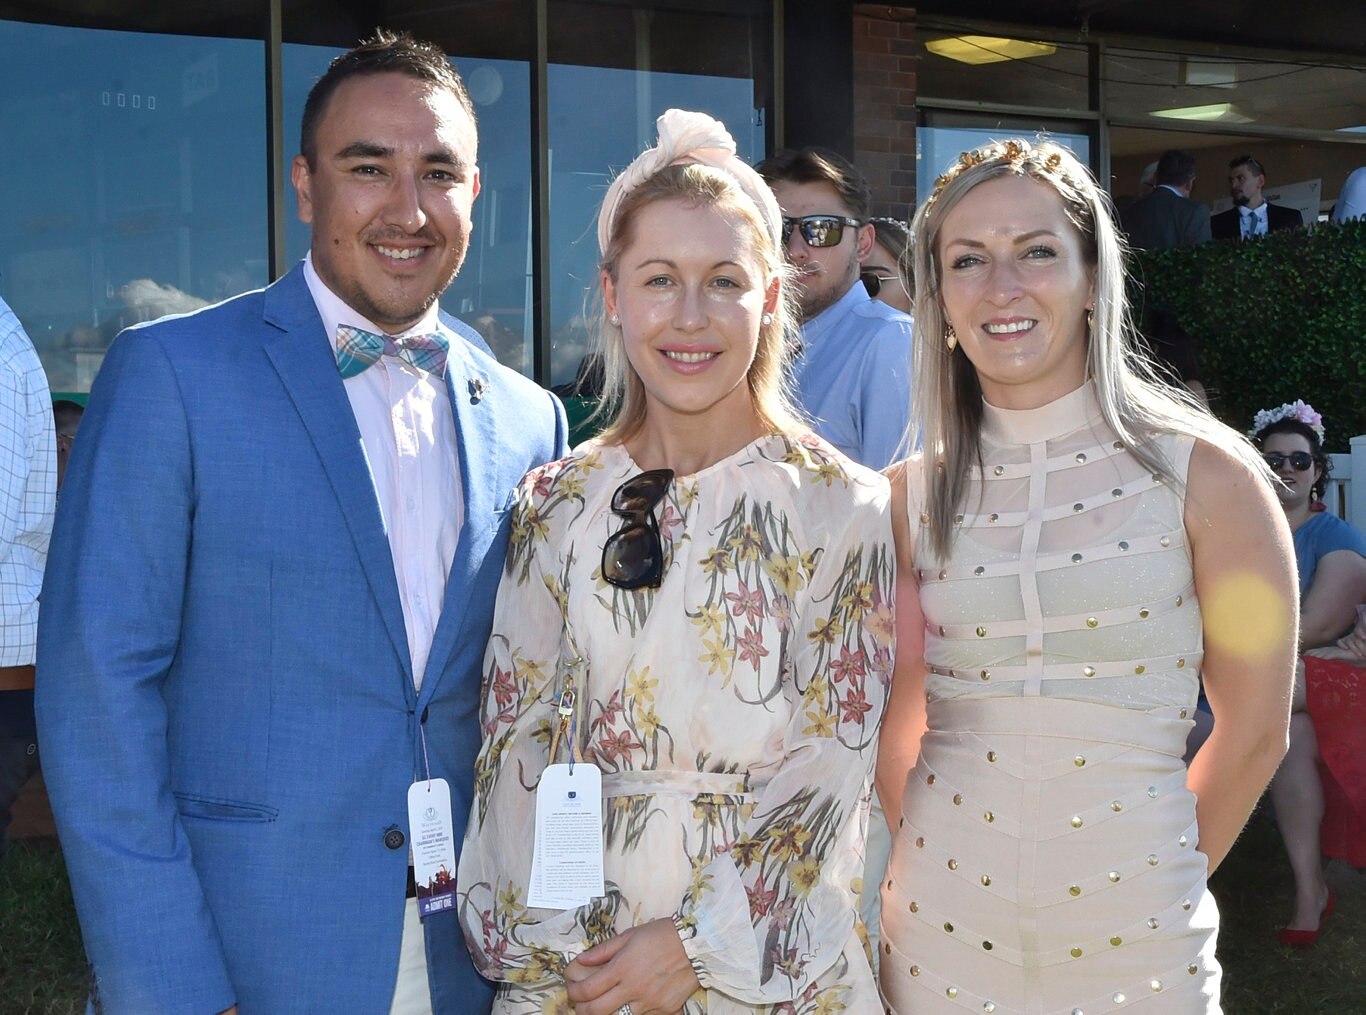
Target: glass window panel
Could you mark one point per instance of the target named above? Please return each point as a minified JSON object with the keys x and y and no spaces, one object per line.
{"x":1304,"y":174}
{"x":937,"y":148}
{"x":142,"y":186}
{"x":492,"y":293}
{"x":602,"y":117}
{"x":1223,"y":91}
{"x":1052,"y":75}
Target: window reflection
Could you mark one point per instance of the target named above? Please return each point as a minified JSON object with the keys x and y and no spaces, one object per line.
{"x":141,"y":190}
{"x":492,"y":293}
{"x":937,"y":148}
{"x":602,"y":117}
{"x":1004,"y":71}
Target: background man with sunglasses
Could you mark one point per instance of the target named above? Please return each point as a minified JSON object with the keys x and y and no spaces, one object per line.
{"x":853,"y":371}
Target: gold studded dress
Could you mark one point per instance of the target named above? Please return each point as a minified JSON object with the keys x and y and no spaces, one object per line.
{"x":1046,"y":858}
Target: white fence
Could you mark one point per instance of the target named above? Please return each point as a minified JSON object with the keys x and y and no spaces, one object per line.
{"x":1345,"y":498}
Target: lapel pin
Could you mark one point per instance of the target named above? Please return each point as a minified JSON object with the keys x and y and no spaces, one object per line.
{"x":477,"y":388}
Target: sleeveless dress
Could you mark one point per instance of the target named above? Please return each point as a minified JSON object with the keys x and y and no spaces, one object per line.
{"x":1046,"y":857}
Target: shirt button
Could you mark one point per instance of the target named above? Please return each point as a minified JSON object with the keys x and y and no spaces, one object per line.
{"x":394,"y":839}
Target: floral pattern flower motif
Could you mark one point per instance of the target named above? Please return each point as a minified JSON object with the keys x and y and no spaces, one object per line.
{"x":1297,"y":410}
{"x":732,"y":712}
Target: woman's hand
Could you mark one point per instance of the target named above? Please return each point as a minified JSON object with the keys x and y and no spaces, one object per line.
{"x":645,"y":967}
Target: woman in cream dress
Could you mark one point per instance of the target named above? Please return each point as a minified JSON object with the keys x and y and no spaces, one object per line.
{"x":1077,"y":545}
{"x":723,"y":630}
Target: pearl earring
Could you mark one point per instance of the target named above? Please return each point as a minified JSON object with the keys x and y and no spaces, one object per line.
{"x":614,"y":320}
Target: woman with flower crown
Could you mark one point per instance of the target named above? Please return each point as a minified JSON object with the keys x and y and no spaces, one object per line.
{"x":1077,"y":544}
{"x":696,"y":612}
{"x":1330,"y":557}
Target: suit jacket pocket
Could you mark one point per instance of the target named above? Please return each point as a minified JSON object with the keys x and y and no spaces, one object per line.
{"x":215,"y":809}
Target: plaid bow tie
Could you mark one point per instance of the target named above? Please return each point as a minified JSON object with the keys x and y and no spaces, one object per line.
{"x":357,"y":350}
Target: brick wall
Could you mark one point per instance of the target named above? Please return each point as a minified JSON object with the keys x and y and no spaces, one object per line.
{"x":884,"y":105}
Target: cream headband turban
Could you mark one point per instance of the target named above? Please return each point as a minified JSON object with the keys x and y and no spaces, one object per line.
{"x":690,"y":137}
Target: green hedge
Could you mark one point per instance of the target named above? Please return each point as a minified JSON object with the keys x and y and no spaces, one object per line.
{"x":1276,"y":320}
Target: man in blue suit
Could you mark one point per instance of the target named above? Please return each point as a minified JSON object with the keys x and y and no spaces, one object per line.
{"x":271,"y":581}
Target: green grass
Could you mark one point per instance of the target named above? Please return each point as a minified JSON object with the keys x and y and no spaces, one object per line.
{"x":42,"y":970}
{"x":42,"y":966}
{"x":1261,"y":977}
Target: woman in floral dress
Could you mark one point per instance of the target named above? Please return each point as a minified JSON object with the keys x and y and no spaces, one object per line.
{"x":723,"y":628}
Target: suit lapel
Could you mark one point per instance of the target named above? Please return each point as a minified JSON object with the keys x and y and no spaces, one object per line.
{"x":473,"y":395}
{"x":302,"y":356}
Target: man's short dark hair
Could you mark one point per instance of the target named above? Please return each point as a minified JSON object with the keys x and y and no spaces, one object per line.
{"x":383,"y":53}
{"x":820,"y":165}
{"x":1175,"y":168}
{"x":1250,"y":162}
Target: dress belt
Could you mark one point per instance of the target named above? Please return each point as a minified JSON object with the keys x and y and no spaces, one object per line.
{"x":16,"y":678}
{"x":682,"y":784}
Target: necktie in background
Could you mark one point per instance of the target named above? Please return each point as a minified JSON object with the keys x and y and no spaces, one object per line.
{"x":357,"y":350}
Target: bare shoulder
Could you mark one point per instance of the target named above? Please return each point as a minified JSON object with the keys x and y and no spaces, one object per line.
{"x":902,"y":475}
{"x":1221,"y":486}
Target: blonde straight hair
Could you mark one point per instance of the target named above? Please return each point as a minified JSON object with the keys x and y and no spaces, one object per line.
{"x":702,"y":186}
{"x":1136,"y":403}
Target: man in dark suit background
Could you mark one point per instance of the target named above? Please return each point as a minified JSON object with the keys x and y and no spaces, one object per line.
{"x":1251,"y":215}
{"x":1163,"y":219}
{"x":1167,"y":217}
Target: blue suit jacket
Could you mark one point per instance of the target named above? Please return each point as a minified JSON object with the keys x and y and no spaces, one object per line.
{"x":226,"y":702}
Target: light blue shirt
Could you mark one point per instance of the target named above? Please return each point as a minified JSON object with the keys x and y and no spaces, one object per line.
{"x":853,"y":377}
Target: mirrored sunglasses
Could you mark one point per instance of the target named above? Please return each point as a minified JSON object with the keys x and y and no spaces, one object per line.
{"x":818,"y":230}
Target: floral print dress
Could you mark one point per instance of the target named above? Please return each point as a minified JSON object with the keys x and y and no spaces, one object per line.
{"x":733,"y":713}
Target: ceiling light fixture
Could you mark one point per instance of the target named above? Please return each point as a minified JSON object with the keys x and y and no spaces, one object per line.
{"x":1220,"y":112}
{"x":977,"y":49}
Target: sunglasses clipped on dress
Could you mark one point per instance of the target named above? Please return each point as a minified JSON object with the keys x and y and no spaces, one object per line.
{"x":633,"y":556}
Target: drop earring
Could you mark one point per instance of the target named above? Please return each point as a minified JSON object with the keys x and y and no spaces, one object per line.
{"x":951,"y":339}
{"x":1090,"y":316}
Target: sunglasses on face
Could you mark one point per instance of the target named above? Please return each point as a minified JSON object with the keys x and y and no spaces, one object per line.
{"x":633,"y":556}
{"x":818,"y":230}
{"x":1299,"y":460}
